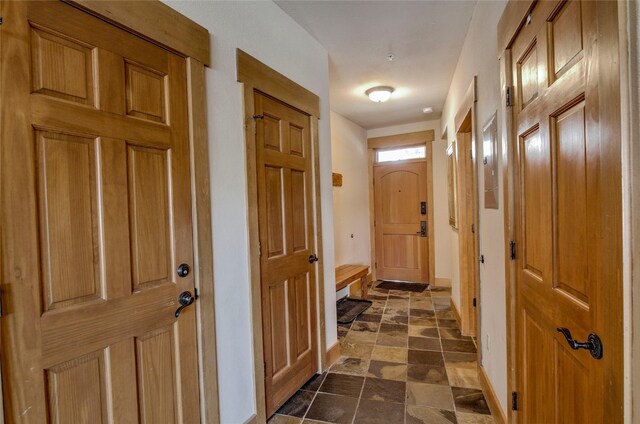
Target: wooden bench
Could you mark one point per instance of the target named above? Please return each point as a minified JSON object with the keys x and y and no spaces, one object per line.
{"x":347,"y":274}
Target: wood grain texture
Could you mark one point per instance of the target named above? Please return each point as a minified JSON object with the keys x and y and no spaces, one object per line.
{"x":285,"y":213}
{"x":255,"y":75}
{"x":508,"y":196}
{"x":265,"y":79}
{"x":315,"y":142}
{"x":333,"y":354}
{"x":406,"y":139}
{"x":69,"y":162}
{"x":567,"y":154}
{"x":203,"y":241}
{"x":491,"y":397}
{"x":401,"y":253}
{"x":157,"y":23}
{"x":467,"y":220}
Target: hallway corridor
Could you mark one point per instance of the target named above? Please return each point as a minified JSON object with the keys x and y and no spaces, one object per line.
{"x":404,"y":361}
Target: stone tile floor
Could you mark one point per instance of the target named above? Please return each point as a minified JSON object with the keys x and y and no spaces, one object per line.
{"x":404,"y":361}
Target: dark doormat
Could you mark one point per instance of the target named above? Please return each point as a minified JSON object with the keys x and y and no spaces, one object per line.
{"x":349,"y":309}
{"x":394,"y":285}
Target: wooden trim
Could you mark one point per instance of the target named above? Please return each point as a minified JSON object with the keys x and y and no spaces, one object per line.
{"x":456,"y":312}
{"x":155,"y":22}
{"x":202,"y":241}
{"x":333,"y":354}
{"x":254,"y":252}
{"x":442,"y":282}
{"x":632,"y":114}
{"x":513,"y":17}
{"x":405,"y":139}
{"x":322,"y":346}
{"x":508,"y":158}
{"x":255,"y":76}
{"x":276,"y":85}
{"x":467,"y":169}
{"x":430,"y":207}
{"x":372,"y":215}
{"x":467,"y":104}
{"x":491,"y":397}
{"x":252,"y":420}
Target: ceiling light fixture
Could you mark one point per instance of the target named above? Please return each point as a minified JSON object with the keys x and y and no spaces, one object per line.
{"x":427,"y":110}
{"x":379,"y":94}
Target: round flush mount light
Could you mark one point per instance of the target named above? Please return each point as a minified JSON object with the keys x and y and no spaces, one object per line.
{"x":379,"y":94}
{"x":427,"y":110}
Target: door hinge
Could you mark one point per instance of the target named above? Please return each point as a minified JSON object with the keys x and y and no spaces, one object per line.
{"x":509,"y":96}
{"x":474,"y":302}
{"x":514,"y":401}
{"x":259,"y":249}
{"x":512,"y":249}
{"x":481,"y":259}
{"x":376,"y":264}
{"x":473,"y":228}
{"x":1,"y":20}
{"x":196,"y":293}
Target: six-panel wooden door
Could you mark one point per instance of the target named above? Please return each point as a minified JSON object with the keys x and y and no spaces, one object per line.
{"x":402,"y":249}
{"x":287,"y":258}
{"x":96,"y":218}
{"x":566,"y":213}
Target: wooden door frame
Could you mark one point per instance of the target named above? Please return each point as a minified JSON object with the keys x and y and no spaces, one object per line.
{"x":255,"y":75}
{"x":399,"y":140}
{"x":468,"y":213}
{"x":513,"y":18}
{"x":159,"y":24}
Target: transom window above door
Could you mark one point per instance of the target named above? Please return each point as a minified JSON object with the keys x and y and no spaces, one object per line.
{"x":403,"y":153}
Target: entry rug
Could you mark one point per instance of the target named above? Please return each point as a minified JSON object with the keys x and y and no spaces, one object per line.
{"x":410,"y":287}
{"x":349,"y":309}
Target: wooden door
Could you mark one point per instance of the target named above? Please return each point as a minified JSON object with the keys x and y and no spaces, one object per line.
{"x":568,"y":262}
{"x":285,"y":206}
{"x":402,"y":249}
{"x":96,"y":218}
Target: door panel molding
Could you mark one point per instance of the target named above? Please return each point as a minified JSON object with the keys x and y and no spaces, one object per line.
{"x":601,"y":64}
{"x":468,"y":219}
{"x":257,"y":77}
{"x":399,"y":140}
{"x":157,"y":23}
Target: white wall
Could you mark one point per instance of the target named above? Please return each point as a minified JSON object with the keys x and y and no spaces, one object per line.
{"x":264,"y":31}
{"x":442,"y":241}
{"x":479,"y":57}
{"x":349,"y":157}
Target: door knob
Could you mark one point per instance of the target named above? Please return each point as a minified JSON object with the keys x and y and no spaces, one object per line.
{"x":593,"y":343}
{"x":183,"y":270}
{"x":185,"y":299}
{"x":313,"y":258}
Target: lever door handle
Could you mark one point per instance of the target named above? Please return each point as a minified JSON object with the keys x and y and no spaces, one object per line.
{"x":593,"y":343}
{"x":185,"y":299}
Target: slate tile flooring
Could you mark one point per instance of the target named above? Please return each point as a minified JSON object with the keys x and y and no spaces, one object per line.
{"x":404,"y":361}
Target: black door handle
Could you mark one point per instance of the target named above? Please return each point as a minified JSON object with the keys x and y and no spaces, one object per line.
{"x":593,"y":343}
{"x":183,"y":270}
{"x":185,"y":299}
{"x":313,"y":258}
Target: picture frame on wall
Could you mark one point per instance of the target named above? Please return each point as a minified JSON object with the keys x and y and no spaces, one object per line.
{"x":490,"y":163}
{"x":452,"y":185}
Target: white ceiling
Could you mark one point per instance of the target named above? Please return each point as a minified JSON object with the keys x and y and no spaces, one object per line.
{"x":425,"y":36}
